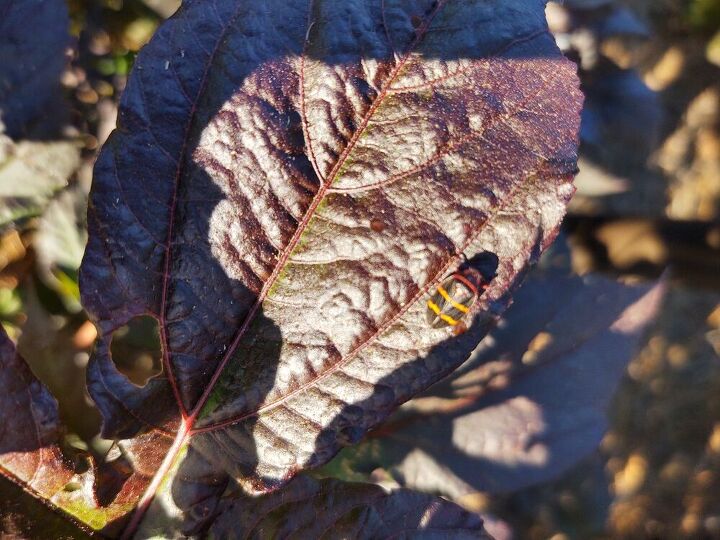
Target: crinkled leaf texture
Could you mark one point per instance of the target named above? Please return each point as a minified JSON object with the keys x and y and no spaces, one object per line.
{"x":532,"y":401}
{"x":288,"y":181}
{"x":33,"y":38}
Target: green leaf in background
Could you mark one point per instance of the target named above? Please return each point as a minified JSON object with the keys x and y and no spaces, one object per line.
{"x":704,"y":15}
{"x":60,"y":242}
{"x":31,"y":173}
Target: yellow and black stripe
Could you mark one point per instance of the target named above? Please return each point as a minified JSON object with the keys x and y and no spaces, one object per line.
{"x":438,"y":311}
{"x":450,"y":303}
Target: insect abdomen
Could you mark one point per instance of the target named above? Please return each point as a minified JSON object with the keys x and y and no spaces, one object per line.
{"x":450,"y":303}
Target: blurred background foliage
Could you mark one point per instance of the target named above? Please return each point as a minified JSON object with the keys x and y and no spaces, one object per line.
{"x":648,"y":200}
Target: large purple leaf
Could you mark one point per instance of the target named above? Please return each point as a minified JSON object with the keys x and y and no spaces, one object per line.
{"x":329,"y":509}
{"x":532,"y":402}
{"x":287,"y":183}
{"x":33,"y":38}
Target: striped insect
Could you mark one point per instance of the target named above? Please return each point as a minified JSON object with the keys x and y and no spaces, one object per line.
{"x":457,"y":293}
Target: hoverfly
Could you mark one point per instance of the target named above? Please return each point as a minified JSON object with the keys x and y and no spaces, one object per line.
{"x":457,"y":293}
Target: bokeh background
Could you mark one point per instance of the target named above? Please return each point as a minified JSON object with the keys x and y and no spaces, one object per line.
{"x":648,"y":202}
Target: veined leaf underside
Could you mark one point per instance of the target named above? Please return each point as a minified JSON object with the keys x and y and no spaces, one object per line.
{"x":281,"y":201}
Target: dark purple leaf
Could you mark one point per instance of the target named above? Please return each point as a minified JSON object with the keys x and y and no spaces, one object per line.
{"x":621,"y":113}
{"x":30,"y":417}
{"x":622,"y":21}
{"x":33,"y":38}
{"x":328,"y":509}
{"x":532,"y":401}
{"x":606,"y":19}
{"x":31,"y":455}
{"x":23,"y":516}
{"x":287,"y":183}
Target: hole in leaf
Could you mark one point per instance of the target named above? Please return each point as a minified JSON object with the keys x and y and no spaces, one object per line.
{"x":136,"y":349}
{"x":72,"y":486}
{"x":111,"y":477}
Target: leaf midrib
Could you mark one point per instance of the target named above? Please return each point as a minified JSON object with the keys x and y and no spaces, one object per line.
{"x":320,"y":195}
{"x":452,"y":261}
{"x":188,"y":420}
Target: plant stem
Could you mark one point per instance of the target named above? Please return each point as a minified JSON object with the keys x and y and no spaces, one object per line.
{"x":152,"y":489}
